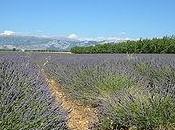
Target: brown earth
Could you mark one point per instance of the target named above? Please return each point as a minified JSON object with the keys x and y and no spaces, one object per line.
{"x":80,"y":117}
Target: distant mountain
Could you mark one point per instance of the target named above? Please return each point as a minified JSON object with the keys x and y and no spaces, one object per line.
{"x":42,"y":43}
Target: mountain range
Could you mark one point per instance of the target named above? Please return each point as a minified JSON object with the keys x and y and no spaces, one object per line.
{"x":44,"y":43}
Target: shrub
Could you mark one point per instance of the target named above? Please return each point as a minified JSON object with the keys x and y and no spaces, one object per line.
{"x":25,"y":102}
{"x":138,"y":108}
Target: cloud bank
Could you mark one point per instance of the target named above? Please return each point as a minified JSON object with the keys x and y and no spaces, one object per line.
{"x":7,"y":33}
{"x":73,"y":36}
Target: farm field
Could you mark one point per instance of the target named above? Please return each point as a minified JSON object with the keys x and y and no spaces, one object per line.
{"x":53,"y":91}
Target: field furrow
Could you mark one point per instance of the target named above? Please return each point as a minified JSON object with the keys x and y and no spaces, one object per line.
{"x":80,"y":117}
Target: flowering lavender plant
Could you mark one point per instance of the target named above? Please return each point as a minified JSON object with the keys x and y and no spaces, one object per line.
{"x":25,"y":102}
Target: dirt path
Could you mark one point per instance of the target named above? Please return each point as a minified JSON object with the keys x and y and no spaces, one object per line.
{"x":80,"y":117}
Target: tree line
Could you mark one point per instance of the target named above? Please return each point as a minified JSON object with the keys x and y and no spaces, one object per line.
{"x":154,"y":45}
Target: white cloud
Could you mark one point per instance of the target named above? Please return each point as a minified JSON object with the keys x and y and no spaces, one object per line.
{"x":73,"y":36}
{"x":8,"y":33}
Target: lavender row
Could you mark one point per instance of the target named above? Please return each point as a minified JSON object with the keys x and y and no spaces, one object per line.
{"x":130,"y":91}
{"x":26,"y":102}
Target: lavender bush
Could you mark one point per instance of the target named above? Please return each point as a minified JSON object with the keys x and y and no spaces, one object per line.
{"x":130,"y":90}
{"x":25,"y":100}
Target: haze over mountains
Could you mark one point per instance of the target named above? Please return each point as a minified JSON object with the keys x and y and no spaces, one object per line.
{"x":10,"y":40}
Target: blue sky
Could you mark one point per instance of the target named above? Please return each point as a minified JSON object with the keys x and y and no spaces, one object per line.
{"x":89,"y":18}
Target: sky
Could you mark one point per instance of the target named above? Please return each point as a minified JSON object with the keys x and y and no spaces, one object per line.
{"x":88,"y":18}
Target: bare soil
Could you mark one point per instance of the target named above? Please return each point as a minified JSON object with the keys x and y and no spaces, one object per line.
{"x":80,"y":117}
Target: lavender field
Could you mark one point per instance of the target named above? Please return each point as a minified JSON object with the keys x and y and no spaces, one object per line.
{"x":52,"y":91}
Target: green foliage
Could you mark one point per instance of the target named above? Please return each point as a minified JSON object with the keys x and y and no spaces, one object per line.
{"x":155,"y":45}
{"x":159,"y":80}
{"x":9,"y":50}
{"x":113,"y":83}
{"x":139,"y":109}
{"x":92,"y":85}
{"x":146,"y":111}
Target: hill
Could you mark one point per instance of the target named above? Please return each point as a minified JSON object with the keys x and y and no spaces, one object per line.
{"x":40,"y":43}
